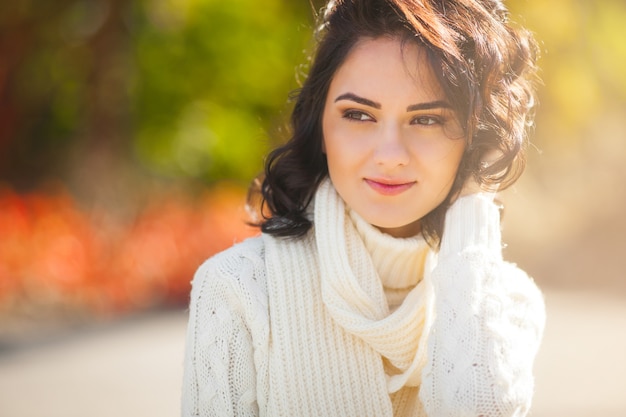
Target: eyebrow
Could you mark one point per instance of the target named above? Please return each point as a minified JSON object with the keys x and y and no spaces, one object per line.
{"x":360,"y":100}
{"x":437,"y":104}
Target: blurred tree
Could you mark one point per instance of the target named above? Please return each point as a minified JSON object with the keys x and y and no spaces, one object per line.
{"x":212,"y":76}
{"x":62,"y":86}
{"x":191,"y":88}
{"x":27,"y":96}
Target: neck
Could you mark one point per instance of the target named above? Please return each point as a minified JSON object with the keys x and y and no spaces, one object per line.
{"x":398,"y":261}
{"x":406,"y":231}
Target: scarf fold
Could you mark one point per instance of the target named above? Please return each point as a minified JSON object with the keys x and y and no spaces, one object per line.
{"x":354,"y":296}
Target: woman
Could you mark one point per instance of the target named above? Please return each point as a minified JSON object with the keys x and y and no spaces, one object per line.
{"x":377,"y":287}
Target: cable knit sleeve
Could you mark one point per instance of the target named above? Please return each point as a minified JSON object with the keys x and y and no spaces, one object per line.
{"x":489,"y":320}
{"x":226,"y":335}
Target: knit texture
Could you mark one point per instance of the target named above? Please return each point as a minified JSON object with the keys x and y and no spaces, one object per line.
{"x":354,"y":296}
{"x":283,"y":327}
{"x":400,"y":263}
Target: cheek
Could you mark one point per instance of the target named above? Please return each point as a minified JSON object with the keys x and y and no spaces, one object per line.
{"x":336,"y":141}
{"x":332,"y":147}
{"x":441,"y":154}
{"x":327,"y":131}
{"x":454,"y":162}
{"x":443,"y":167}
{"x":337,"y":156}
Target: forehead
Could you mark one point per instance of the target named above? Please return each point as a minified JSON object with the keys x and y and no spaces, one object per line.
{"x":387,"y":64}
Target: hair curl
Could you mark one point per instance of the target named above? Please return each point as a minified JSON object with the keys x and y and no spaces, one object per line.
{"x":485,"y":66}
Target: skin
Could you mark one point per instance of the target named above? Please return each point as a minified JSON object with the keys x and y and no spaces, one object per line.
{"x":393,"y":144}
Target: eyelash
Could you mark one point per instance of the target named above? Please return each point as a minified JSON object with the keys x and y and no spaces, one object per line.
{"x":436,"y":120}
{"x":357,"y":116}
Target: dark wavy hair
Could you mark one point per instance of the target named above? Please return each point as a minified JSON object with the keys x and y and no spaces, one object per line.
{"x":485,"y":66}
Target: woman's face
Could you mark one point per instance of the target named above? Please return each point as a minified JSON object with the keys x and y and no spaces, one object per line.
{"x":392,"y":142}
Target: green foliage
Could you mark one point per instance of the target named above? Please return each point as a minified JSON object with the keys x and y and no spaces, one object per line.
{"x":212,"y":76}
{"x":194,"y":86}
{"x":42,"y":84}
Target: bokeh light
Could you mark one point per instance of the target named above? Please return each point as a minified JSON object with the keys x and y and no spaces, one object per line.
{"x":121,"y":121}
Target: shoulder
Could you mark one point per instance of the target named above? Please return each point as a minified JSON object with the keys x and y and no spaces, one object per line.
{"x":234,"y":279}
{"x":228,"y":324}
{"x":239,"y":260}
{"x":233,"y":261}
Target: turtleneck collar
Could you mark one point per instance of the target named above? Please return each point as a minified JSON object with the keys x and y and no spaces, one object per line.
{"x":355,"y":299}
{"x":398,"y":261}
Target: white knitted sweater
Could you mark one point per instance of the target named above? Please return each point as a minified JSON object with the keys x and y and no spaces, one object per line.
{"x":284,"y":327}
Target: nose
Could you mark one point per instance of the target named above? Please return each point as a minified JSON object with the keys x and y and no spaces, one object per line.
{"x":391,"y":150}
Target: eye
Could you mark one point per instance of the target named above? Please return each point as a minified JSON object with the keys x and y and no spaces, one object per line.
{"x":357,"y":116}
{"x":427,"y":120}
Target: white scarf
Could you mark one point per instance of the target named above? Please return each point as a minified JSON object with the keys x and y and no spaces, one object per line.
{"x":353,"y":294}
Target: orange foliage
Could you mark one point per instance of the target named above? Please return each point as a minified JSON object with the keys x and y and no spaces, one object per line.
{"x":55,"y":254}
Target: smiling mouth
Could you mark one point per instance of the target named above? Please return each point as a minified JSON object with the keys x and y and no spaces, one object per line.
{"x":389,"y":188}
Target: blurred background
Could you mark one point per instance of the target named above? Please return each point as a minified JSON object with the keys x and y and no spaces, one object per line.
{"x":130,"y":129}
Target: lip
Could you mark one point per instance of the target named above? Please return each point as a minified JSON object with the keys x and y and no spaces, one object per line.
{"x":389,"y":187}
